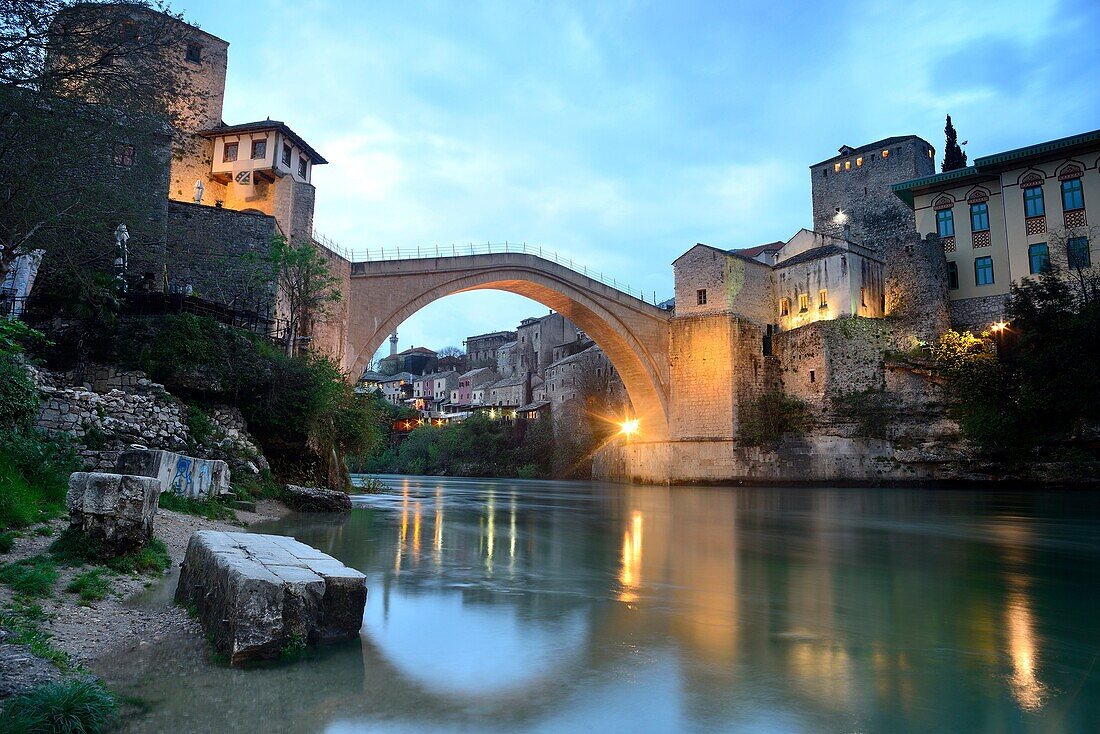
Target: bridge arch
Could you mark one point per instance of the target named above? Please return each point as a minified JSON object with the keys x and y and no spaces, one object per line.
{"x":632,"y":333}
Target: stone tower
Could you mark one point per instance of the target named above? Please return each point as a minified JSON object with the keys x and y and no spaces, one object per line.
{"x":853,"y":199}
{"x":853,"y":188}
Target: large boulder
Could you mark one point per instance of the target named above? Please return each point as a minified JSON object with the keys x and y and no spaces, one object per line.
{"x":115,"y":509}
{"x":179,"y":474}
{"x":315,"y":499}
{"x":255,"y":595}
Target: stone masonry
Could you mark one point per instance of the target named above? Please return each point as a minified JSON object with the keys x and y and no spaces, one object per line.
{"x":256,"y":594}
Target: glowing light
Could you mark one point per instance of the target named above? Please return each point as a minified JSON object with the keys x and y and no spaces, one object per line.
{"x":630,"y":576}
{"x":629,"y":427}
{"x":999,"y":326}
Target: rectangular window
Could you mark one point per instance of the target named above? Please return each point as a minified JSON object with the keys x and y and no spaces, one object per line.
{"x":945,"y":223}
{"x":823,"y":299}
{"x":859,"y":161}
{"x":229,"y":154}
{"x":301,"y":167}
{"x":1033,"y":202}
{"x":1079,"y":255}
{"x":836,"y":168}
{"x":259,"y":149}
{"x":885,"y":154}
{"x":123,"y":155}
{"x":286,"y":154}
{"x":952,"y":276}
{"x":813,"y":376}
{"x":803,"y":302}
{"x":1038,"y":256}
{"x":194,"y":53}
{"x":1072,"y":195}
{"x":847,"y":165}
{"x":701,"y":296}
{"x":979,"y":217}
{"x":784,"y":307}
{"x":983,"y":271}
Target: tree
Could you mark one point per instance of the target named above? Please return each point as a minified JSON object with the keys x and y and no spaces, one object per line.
{"x":953,"y":155}
{"x":307,"y":289}
{"x":451,"y":351}
{"x":87,"y":92}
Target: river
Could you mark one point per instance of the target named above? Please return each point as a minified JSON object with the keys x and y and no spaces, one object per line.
{"x":510,"y":605}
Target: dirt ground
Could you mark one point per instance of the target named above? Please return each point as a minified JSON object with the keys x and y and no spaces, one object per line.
{"x":116,"y":623}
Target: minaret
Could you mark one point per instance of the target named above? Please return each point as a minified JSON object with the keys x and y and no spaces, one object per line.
{"x":393,"y":344}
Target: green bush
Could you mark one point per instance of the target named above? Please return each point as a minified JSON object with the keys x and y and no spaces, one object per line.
{"x":767,"y":418}
{"x":200,"y":427}
{"x":32,"y":577}
{"x":92,"y":585}
{"x":18,"y":396}
{"x":260,"y":486}
{"x":79,"y":706}
{"x":7,"y":540}
{"x":34,"y":477}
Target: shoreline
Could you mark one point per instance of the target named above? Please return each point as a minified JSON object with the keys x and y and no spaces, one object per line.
{"x":87,"y":631}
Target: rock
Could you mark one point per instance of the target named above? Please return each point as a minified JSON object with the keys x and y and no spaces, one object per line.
{"x":115,"y":509}
{"x":256,"y":594}
{"x":315,"y":499}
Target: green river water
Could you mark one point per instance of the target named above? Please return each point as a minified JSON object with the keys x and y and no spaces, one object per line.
{"x":508,"y":606}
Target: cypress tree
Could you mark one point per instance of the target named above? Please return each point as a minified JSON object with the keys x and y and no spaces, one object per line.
{"x":953,"y":155}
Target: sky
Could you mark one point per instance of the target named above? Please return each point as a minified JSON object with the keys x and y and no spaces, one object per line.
{"x":619,"y":134}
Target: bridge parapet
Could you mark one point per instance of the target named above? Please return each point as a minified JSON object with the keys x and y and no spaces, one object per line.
{"x":361,"y":258}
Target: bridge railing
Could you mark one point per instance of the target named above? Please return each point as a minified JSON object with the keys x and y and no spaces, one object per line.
{"x":486,"y":248}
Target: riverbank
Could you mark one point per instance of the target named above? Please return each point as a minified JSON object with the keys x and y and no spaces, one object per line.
{"x":82,"y":630}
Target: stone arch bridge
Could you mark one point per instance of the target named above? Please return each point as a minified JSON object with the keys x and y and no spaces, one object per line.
{"x":632,"y":333}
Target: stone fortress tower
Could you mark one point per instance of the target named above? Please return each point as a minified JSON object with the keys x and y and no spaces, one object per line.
{"x":853,"y":199}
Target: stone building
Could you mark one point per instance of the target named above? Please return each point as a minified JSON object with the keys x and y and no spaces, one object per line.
{"x":398,"y":388}
{"x":509,"y":392}
{"x":468,"y":384}
{"x":231,"y":188}
{"x":417,"y":360}
{"x":537,"y":338}
{"x":1007,"y":217}
{"x":481,"y":350}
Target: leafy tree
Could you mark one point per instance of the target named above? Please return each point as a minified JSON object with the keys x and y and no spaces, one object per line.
{"x":953,"y":155}
{"x":306,"y":286}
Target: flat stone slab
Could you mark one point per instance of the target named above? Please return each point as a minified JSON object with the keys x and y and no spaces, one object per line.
{"x":256,"y":594}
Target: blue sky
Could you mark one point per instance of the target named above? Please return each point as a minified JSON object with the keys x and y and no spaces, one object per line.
{"x":620,"y":134}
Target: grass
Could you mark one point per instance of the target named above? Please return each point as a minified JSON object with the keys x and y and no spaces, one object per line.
{"x":210,"y":508}
{"x":75,"y":548}
{"x":34,"y":477}
{"x":7,"y":540}
{"x":294,"y":649}
{"x":92,"y":586}
{"x":260,"y":486}
{"x":22,"y":619}
{"x":32,"y":577}
{"x":80,"y":706}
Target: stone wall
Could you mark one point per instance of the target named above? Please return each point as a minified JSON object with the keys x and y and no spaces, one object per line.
{"x":218,"y":252}
{"x":976,"y":314}
{"x":114,"y":410}
{"x":714,"y":362}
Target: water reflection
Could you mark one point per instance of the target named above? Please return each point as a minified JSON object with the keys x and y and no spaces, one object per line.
{"x":559,"y":606}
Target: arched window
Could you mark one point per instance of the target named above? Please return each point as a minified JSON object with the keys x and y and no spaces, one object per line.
{"x":1073,"y":195}
{"x":1033,"y":199}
